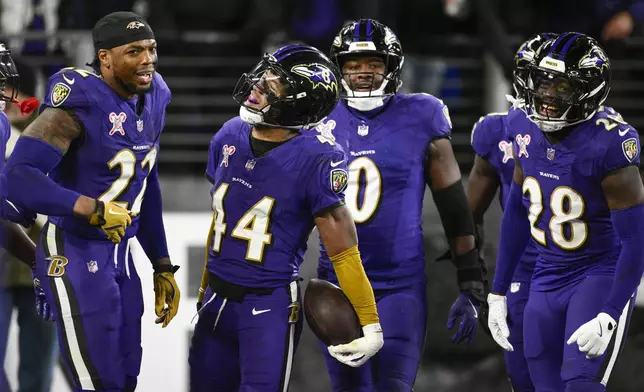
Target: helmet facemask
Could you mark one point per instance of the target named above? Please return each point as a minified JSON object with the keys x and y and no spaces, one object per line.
{"x":9,"y":76}
{"x":556,"y":100}
{"x":264,"y":93}
{"x":366,"y":90}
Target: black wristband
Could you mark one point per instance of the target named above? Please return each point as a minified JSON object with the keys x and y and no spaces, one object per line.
{"x":468,"y":260}
{"x":161,"y":268}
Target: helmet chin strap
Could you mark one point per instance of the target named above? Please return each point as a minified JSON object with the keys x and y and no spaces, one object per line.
{"x":253,"y":117}
{"x":555,"y":125}
{"x":365,"y":101}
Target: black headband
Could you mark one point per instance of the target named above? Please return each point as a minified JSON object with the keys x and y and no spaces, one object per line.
{"x":120,"y":28}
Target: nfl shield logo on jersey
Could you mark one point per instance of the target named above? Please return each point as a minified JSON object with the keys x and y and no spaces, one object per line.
{"x":92,"y":266}
{"x":550,"y":153}
{"x":250,"y":164}
{"x":139,"y":125}
{"x":363,"y":130}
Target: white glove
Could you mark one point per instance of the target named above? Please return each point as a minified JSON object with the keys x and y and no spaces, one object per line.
{"x":594,"y":336}
{"x":357,"y":352}
{"x":497,"y":320}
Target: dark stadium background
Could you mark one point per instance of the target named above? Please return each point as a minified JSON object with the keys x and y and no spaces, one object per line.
{"x":204,"y":46}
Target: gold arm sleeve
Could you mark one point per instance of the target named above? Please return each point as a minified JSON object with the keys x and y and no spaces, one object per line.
{"x":355,"y":284}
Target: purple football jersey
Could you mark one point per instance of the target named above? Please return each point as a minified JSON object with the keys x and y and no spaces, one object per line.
{"x":118,"y":149}
{"x":5,"y":133}
{"x":569,"y":217}
{"x":490,"y":142}
{"x":264,"y":207}
{"x":388,"y":156}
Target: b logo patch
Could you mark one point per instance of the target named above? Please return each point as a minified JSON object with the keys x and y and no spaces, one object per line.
{"x":59,"y":93}
{"x":339,"y":180}
{"x":295,"y":313}
{"x":629,"y":147}
{"x":57,"y":266}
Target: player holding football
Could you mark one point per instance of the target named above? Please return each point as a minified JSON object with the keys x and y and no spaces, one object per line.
{"x":272,"y":183}
{"x":88,"y":162}
{"x":493,"y":168}
{"x":578,"y":193}
{"x":397,"y":143}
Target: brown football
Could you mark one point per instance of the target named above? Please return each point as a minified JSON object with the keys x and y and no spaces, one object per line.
{"x":330,"y":314}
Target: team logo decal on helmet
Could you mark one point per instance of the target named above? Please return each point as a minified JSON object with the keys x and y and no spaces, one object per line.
{"x":567,"y":81}
{"x":318,"y":74}
{"x":595,"y":58}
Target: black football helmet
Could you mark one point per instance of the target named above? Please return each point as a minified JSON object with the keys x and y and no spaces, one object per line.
{"x":369,"y":38}
{"x":309,"y":82}
{"x":8,"y":75}
{"x":523,"y":57}
{"x":567,"y":81}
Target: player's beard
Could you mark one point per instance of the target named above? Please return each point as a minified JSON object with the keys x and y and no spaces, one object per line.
{"x":132,"y":88}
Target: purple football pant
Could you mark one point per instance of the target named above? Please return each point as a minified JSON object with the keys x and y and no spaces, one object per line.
{"x":551,"y":318}
{"x":247,"y":346}
{"x":515,"y":361}
{"x":403,"y":317}
{"x":95,"y":293}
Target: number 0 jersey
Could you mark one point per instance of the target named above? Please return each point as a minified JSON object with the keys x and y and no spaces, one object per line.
{"x":117,"y":149}
{"x":264,"y":207}
{"x":570,"y":220}
{"x":388,"y":152}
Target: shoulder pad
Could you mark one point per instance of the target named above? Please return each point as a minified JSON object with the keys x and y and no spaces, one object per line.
{"x":621,"y":139}
{"x":163,"y":90}
{"x":487,"y":133}
{"x":515,"y":116}
{"x":69,"y":88}
{"x":608,"y":124}
{"x":320,"y":143}
{"x":433,"y":111}
{"x":233,"y":125}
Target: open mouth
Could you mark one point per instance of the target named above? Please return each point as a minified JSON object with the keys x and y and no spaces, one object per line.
{"x":252,"y":98}
{"x":363,"y":88}
{"x":550,"y":111}
{"x":144,"y":77}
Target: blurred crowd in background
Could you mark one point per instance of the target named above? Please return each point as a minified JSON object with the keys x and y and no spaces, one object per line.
{"x":458,"y":50}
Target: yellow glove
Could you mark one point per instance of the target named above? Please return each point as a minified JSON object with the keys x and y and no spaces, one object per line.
{"x":166,"y":293}
{"x":112,"y":218}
